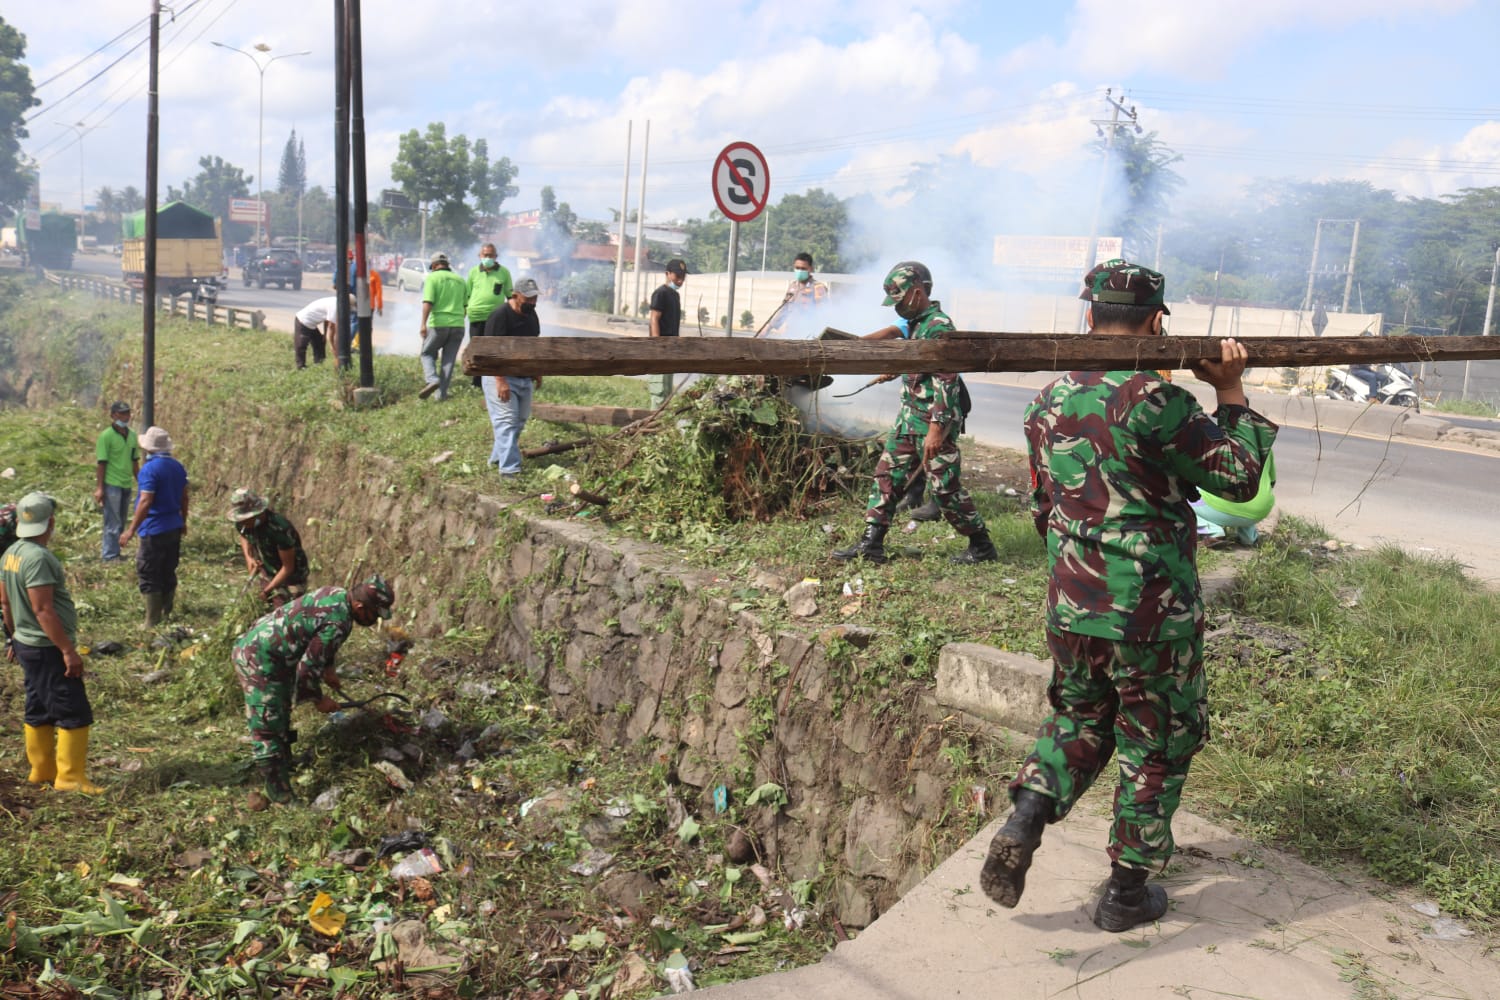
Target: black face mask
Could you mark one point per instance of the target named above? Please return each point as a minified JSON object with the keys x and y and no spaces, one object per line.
{"x":527,"y":308}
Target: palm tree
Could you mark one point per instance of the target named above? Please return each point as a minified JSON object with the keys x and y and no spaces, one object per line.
{"x":130,"y":200}
{"x":107,"y":204}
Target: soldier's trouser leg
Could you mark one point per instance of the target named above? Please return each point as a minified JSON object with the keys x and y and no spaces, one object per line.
{"x":1149,"y":701}
{"x":268,"y":710}
{"x":952,"y":499}
{"x":900,"y":459}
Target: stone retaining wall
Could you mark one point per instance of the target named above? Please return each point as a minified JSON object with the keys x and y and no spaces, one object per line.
{"x":625,"y":636}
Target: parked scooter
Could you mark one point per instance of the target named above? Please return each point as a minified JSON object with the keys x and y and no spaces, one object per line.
{"x":1383,"y":383}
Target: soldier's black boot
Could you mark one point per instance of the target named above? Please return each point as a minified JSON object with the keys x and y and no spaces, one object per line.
{"x":980,"y":550}
{"x":1128,"y":901}
{"x":1003,"y":877}
{"x":927,"y":512}
{"x":870,"y":547}
{"x":278,"y":783}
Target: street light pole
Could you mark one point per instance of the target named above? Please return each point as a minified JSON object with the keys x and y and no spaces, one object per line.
{"x":260,"y":132}
{"x":82,"y":131}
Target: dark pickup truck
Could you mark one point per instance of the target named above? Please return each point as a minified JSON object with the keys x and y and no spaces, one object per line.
{"x":280,"y":267}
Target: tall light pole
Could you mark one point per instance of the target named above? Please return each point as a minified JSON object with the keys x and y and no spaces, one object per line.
{"x":82,"y":131}
{"x":260,"y":138}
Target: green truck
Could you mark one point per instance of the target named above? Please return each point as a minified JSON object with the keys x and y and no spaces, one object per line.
{"x":50,"y":247}
{"x":189,"y":252}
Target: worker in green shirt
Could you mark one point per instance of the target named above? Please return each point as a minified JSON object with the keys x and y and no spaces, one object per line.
{"x":445,"y":298}
{"x":489,"y":288}
{"x":119,"y":459}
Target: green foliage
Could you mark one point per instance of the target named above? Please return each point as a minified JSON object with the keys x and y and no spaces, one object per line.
{"x":814,"y":221}
{"x":441,"y":173}
{"x":291,"y":178}
{"x":1372,"y":740}
{"x":16,"y":98}
{"x":216,"y":183}
{"x":747,"y":320}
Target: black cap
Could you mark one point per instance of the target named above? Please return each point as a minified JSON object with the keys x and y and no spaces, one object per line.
{"x":119,"y":406}
{"x":677,"y":266}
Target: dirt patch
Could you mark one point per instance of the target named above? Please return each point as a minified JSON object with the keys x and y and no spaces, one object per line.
{"x":990,"y":469}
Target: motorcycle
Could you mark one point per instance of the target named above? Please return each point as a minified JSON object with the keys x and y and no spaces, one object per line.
{"x":1393,"y":385}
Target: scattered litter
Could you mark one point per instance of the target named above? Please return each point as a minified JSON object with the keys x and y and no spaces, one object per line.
{"x":396,"y":843}
{"x":417,"y":864}
{"x":1332,"y":545}
{"x":476,"y":689}
{"x":9,"y":473}
{"x":155,"y":676}
{"x":910,"y":527}
{"x":393,"y":774}
{"x":1447,"y":929}
{"x":109,"y":648}
{"x":354,"y":857}
{"x":440,"y":458}
{"x":828,"y":529}
{"x":433,"y":719}
{"x":326,"y":918}
{"x":976,"y":799}
{"x":592,"y":863}
{"x":855,"y":587}
{"x":793,"y":918}
{"x":721,"y":798}
{"x":618,"y":809}
{"x":678,"y":976}
{"x":194,"y":858}
{"x":1427,"y":909}
{"x":328,"y":799}
{"x":548,"y":497}
{"x":1010,"y":491}
{"x":1009,"y":581}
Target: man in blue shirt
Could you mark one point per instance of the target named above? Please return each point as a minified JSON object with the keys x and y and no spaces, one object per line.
{"x":160,"y":520}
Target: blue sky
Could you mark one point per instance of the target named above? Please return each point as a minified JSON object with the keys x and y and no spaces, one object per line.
{"x":846,"y":96}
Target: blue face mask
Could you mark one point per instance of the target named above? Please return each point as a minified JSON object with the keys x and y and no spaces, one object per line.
{"x":122,"y":425}
{"x":487,"y":262}
{"x":801,"y":275}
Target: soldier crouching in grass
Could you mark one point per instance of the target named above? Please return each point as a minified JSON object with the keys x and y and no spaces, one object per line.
{"x":287,"y":656}
{"x":271,"y":546}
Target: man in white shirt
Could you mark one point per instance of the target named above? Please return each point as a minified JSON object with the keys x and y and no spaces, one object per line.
{"x":314,"y":324}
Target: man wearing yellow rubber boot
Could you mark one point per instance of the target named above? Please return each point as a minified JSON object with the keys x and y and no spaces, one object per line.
{"x":43,"y":626}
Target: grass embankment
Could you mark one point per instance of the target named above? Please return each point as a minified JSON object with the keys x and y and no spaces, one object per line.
{"x":1354,"y":712}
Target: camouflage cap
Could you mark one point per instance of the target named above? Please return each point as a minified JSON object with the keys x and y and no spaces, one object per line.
{"x":375,"y":594}
{"x":903,"y":277}
{"x":243,"y":505}
{"x":1119,"y":282}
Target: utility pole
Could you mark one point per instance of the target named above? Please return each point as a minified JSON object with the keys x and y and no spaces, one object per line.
{"x":624,"y":207}
{"x":361,"y":199}
{"x":1489,"y":308}
{"x":640,"y":214}
{"x":148,"y":289}
{"x":1349,"y":277}
{"x":1113,"y":123}
{"x":1312,"y":268}
{"x":341,"y":179}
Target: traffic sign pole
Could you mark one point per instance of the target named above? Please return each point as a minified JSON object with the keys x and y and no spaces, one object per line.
{"x":734,"y":256}
{"x":742,"y":187}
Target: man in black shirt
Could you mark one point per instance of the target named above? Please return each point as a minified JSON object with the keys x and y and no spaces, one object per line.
{"x":666,"y":320}
{"x":508,"y":397}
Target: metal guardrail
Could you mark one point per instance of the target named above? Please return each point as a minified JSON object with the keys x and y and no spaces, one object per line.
{"x":167,"y":305}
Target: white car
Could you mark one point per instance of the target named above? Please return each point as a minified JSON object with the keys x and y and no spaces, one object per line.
{"x":411,"y":273}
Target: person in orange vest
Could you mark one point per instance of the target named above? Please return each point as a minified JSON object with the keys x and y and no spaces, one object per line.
{"x":377,"y":300}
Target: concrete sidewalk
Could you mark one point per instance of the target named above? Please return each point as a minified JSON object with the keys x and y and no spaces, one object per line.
{"x":1245,"y":922}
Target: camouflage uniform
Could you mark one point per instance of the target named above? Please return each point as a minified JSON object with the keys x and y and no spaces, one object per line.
{"x":1116,"y":460}
{"x":281,"y":660}
{"x":268,"y":539}
{"x":925,"y":399}
{"x":7,"y":526}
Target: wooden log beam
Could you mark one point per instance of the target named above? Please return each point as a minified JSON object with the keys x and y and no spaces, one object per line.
{"x":961,"y":352}
{"x":602,"y":416}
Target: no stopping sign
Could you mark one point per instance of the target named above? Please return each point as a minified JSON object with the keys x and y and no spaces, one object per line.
{"x":742,"y":181}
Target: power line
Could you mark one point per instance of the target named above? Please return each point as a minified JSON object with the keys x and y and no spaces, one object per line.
{"x":1291,"y":107}
{"x":184,"y":25}
{"x":59,"y":75}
